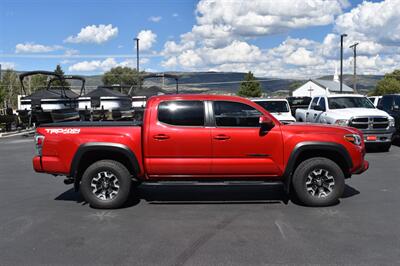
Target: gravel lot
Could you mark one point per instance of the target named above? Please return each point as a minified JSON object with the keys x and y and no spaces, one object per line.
{"x":43,"y":221}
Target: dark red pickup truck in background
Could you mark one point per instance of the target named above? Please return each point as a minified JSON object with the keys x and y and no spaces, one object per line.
{"x":200,"y":138}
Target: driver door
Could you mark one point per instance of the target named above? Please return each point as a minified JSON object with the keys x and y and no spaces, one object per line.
{"x":238,"y":147}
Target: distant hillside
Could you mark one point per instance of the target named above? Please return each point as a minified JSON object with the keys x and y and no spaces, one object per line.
{"x":229,"y":82}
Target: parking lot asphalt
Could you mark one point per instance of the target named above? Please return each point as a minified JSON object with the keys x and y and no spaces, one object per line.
{"x":43,"y":221}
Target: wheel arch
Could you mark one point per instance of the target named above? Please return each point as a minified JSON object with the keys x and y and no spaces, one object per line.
{"x":306,"y":150}
{"x":91,"y":152}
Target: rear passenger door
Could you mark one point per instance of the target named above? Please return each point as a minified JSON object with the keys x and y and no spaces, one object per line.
{"x":178,"y":143}
{"x":238,"y":147}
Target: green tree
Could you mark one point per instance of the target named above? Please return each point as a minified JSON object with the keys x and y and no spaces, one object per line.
{"x":389,"y":84}
{"x":249,"y":87}
{"x":10,"y":88}
{"x":58,"y":83}
{"x":36,"y":82}
{"x":125,"y":77}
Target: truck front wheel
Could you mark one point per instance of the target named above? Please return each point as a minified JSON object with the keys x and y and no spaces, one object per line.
{"x":106,"y":184}
{"x":318,"y":182}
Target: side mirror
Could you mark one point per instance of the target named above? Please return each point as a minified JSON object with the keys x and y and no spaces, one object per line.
{"x":395,"y":108}
{"x":319,"y":108}
{"x":266,"y":123}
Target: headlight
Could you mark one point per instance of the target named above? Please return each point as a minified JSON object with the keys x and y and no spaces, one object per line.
{"x":342,"y":122}
{"x":391,"y":122}
{"x":353,"y":138}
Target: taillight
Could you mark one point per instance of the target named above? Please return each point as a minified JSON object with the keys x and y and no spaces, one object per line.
{"x":39,"y":139}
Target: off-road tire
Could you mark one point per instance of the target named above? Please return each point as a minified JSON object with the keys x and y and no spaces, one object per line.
{"x":124,"y":181}
{"x":301,"y":174}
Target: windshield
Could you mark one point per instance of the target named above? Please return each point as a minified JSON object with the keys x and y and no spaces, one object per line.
{"x":274,"y":106}
{"x":349,"y":102}
{"x":299,"y":100}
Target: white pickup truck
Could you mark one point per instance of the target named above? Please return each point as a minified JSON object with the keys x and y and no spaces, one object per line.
{"x":353,"y":111}
{"x":279,"y":108}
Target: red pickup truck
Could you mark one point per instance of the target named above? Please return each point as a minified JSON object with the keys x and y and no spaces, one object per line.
{"x":200,"y":138}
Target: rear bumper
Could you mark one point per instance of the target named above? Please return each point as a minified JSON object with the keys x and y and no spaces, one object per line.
{"x":364,"y":167}
{"x":37,"y":164}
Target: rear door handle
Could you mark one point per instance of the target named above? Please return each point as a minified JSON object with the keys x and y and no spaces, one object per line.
{"x":221,"y":137}
{"x":161,"y":137}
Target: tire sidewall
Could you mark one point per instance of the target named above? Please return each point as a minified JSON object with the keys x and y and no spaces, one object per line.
{"x":300,"y":177}
{"x":124,"y":180}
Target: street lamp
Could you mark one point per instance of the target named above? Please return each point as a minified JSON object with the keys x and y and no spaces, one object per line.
{"x":354,"y":47}
{"x":341,"y":61}
{"x":137,"y":60}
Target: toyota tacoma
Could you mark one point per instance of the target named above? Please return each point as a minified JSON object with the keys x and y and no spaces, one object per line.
{"x":200,"y":138}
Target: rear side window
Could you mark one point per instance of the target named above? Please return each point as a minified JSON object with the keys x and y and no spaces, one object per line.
{"x":234,"y":114}
{"x":181,"y":113}
{"x":387,"y":102}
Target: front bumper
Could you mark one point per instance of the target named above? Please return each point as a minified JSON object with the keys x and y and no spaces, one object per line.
{"x":381,"y":136}
{"x":364,"y":167}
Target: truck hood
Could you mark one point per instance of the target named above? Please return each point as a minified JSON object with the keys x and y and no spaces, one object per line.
{"x":304,"y":128}
{"x":347,"y":113}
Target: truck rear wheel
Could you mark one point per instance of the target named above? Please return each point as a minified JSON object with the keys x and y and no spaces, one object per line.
{"x":318,"y":182}
{"x":106,"y":184}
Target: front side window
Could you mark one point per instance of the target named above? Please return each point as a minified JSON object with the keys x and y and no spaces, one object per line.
{"x":322,"y":103}
{"x":181,"y":113}
{"x":349,"y":102}
{"x":314,"y":102}
{"x":234,"y":114}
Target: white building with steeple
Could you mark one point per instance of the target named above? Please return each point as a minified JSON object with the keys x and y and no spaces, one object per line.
{"x":315,"y":87}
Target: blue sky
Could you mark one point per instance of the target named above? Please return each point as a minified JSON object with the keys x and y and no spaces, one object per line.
{"x":50,"y":23}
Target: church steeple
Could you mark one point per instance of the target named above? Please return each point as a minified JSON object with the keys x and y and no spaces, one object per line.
{"x":336,"y":76}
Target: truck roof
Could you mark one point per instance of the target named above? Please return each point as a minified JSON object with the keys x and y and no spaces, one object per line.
{"x":198,"y":97}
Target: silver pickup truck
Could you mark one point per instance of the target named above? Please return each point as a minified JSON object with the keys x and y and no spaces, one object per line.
{"x":353,"y":111}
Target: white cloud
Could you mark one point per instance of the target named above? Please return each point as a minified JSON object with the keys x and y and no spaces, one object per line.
{"x":7,"y":65}
{"x":220,"y":19}
{"x":146,"y":39}
{"x":71,"y":52}
{"x":175,"y":15}
{"x":374,"y":21}
{"x":101,"y":65}
{"x":303,"y":57}
{"x":31,"y":47}
{"x":94,"y":34}
{"x":155,"y":19}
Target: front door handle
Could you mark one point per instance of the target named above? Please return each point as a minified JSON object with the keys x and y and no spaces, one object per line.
{"x":221,"y":137}
{"x":315,"y":115}
{"x":161,"y":137}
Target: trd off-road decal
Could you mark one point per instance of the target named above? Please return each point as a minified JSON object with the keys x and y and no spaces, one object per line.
{"x":64,"y":131}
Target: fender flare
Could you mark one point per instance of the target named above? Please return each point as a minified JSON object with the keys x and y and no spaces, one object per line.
{"x":312,"y":145}
{"x":102,"y":146}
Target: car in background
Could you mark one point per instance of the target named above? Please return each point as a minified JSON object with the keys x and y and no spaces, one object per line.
{"x":351,"y":110}
{"x":298,"y":102}
{"x":375,"y":100}
{"x":391,"y":104}
{"x":279,"y":108}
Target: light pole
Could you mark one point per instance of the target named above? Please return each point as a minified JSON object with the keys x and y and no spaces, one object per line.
{"x":137,"y":60}
{"x":341,"y":61}
{"x":354,"y":47}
